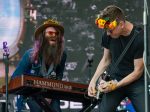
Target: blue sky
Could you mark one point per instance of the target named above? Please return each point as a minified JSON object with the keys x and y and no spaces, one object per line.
{"x":9,"y":8}
{"x":10,"y":22}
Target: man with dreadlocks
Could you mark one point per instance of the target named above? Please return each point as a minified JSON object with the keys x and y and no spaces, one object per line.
{"x":47,"y":57}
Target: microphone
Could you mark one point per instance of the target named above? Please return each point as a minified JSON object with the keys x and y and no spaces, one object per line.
{"x":6,"y":50}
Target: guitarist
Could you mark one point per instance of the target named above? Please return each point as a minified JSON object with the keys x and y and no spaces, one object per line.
{"x":127,"y":77}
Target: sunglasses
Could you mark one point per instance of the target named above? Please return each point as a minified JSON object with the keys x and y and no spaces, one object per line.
{"x":52,"y":33}
{"x":106,"y":24}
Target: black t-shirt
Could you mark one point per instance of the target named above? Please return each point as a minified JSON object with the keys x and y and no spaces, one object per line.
{"x":116,"y":47}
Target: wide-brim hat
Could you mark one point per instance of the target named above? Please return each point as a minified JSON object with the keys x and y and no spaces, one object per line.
{"x":46,"y":24}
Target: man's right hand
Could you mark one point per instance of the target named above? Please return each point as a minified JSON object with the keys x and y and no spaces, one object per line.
{"x":91,"y":89}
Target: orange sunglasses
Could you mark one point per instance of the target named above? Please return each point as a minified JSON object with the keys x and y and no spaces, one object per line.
{"x":105,"y":23}
{"x":52,"y":33}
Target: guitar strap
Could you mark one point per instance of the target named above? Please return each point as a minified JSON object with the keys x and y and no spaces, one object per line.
{"x":125,"y":50}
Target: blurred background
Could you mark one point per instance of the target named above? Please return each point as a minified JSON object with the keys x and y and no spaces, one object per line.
{"x":19,"y":19}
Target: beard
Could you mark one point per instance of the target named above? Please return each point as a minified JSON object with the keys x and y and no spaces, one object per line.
{"x":51,"y":50}
{"x":50,"y":53}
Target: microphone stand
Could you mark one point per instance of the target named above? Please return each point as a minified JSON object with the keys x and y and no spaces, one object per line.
{"x":6,"y":62}
{"x":145,"y":18}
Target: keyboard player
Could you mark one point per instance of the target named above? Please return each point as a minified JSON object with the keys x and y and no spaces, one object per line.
{"x":45,"y":58}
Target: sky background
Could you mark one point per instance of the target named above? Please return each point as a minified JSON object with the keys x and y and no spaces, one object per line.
{"x":9,"y":23}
